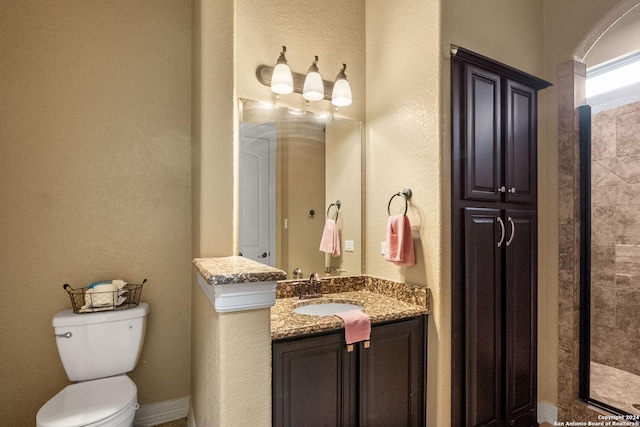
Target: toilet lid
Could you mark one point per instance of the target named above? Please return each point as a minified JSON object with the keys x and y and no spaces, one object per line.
{"x":88,"y":402}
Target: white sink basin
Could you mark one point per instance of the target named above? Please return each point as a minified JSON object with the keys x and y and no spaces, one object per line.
{"x":326,"y":309}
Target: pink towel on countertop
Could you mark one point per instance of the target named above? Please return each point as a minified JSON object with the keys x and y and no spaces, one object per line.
{"x":400,"y":241}
{"x":330,"y":241}
{"x":357,"y":326}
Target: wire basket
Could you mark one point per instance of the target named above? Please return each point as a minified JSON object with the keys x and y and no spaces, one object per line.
{"x":84,"y":300}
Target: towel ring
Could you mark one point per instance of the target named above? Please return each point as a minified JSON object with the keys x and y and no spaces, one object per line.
{"x":406,"y":195}
{"x":337,"y":204}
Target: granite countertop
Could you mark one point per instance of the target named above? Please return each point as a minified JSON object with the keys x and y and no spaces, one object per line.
{"x":380,"y":307}
{"x":236,"y":269}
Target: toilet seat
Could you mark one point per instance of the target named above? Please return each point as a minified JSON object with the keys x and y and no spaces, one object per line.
{"x":89,"y":403}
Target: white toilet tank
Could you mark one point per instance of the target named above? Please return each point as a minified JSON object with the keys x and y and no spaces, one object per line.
{"x":98,"y":345}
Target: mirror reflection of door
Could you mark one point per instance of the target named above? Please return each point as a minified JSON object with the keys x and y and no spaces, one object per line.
{"x":257,"y":192}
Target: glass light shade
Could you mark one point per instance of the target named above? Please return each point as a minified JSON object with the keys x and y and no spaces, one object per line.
{"x":341,"y":96}
{"x":313,"y":89}
{"x":281,"y":79}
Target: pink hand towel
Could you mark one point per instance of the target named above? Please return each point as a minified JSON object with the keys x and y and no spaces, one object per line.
{"x":330,"y":241}
{"x":400,"y":241}
{"x":357,"y":326}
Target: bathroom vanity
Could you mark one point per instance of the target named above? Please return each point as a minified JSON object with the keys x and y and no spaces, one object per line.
{"x":318,"y":379}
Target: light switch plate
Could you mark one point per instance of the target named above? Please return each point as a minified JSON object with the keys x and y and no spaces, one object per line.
{"x":348,"y":245}
{"x":383,"y":248}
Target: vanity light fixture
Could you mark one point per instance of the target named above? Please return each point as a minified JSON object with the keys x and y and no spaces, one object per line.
{"x":341,"y":96}
{"x":311,"y":85}
{"x":313,"y":89}
{"x":281,"y":79}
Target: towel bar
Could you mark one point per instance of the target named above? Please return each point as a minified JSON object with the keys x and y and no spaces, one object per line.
{"x":337,"y":204}
{"x":406,"y":195}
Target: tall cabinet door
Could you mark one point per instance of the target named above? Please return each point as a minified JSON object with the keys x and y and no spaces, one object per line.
{"x":520,"y":146}
{"x":521,"y":317}
{"x":483,"y":139}
{"x":483,"y":238}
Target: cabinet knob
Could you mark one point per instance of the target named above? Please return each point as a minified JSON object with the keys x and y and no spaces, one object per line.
{"x":512,"y":190}
{"x":502,"y":189}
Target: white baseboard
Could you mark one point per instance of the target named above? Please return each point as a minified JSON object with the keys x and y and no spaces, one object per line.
{"x":547,"y":413}
{"x":153,"y":414}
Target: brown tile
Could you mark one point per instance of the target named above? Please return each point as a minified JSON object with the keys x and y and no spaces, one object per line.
{"x":603,"y":137}
{"x":628,"y":194}
{"x":627,"y":225}
{"x":627,"y":131}
{"x":627,"y":304}
{"x":603,"y":266}
{"x":603,"y":306}
{"x":603,"y":226}
{"x":605,"y":386}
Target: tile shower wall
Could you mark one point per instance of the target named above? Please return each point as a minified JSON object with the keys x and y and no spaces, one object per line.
{"x":615,"y":265}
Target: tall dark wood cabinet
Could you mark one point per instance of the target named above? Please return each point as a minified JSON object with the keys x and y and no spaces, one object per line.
{"x":494,"y":242}
{"x":318,"y":382}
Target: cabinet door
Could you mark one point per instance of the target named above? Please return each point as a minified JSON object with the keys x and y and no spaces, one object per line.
{"x":483,"y":239}
{"x":521,"y":317}
{"x":483,"y":135}
{"x":314,"y":382}
{"x":520,"y":150}
{"x":392,"y":375}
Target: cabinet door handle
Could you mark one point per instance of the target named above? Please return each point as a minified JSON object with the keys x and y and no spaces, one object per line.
{"x":513,"y":231}
{"x":502,"y":189}
{"x":512,"y":190}
{"x":502,"y":229}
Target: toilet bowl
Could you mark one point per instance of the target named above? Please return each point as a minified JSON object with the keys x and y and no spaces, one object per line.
{"x":97,"y":350}
{"x":108,"y":402}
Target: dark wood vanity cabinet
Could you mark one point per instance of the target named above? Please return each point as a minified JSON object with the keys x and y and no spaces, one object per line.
{"x":494,"y":243}
{"x":318,"y":382}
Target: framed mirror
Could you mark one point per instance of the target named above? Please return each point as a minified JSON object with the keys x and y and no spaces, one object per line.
{"x":294,"y":166}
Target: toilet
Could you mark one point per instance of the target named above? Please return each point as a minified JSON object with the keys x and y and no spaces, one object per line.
{"x":97,"y":350}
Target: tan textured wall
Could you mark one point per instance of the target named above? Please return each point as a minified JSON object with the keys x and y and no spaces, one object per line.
{"x":205,"y":354}
{"x":94,"y":182}
{"x":334,"y":32}
{"x":212,"y":118}
{"x":245,"y":342}
{"x":404,"y":150}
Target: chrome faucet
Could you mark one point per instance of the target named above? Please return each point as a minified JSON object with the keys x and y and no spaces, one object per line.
{"x":312,"y":288}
